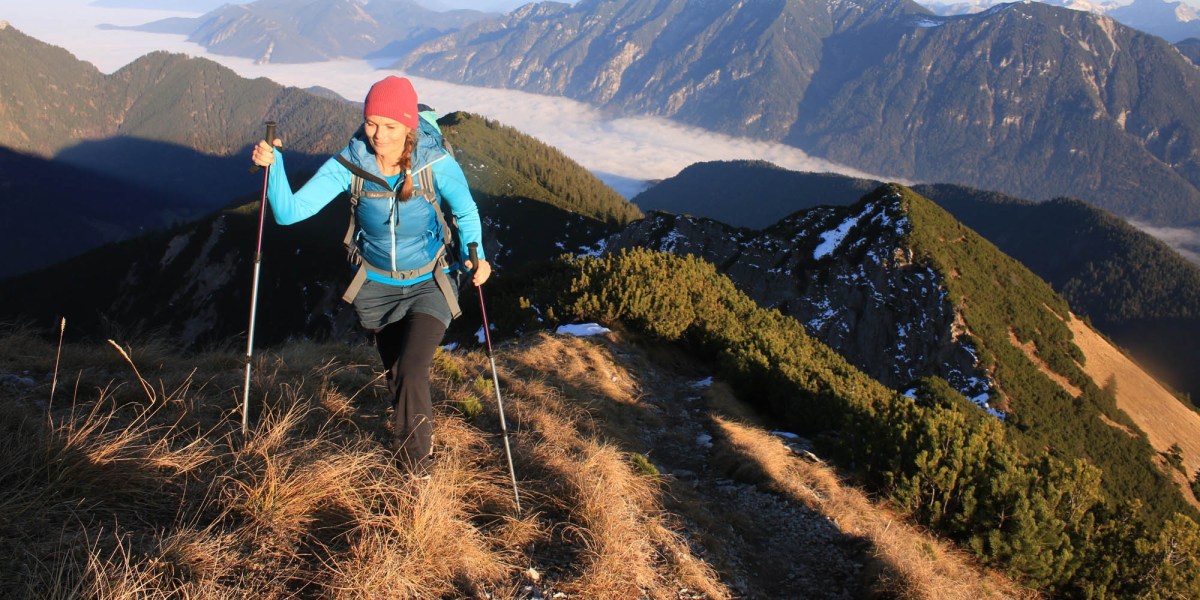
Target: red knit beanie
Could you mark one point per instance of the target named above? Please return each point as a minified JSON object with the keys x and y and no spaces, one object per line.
{"x":394,"y":98}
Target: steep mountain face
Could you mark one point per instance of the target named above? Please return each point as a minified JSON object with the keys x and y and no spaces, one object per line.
{"x":1061,"y":434}
{"x":847,"y":274}
{"x":1131,"y":286}
{"x":736,"y":67}
{"x":902,"y":290}
{"x":1025,"y":99}
{"x":279,"y":31}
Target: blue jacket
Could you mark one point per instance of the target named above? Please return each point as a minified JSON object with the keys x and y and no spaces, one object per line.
{"x":392,"y":236}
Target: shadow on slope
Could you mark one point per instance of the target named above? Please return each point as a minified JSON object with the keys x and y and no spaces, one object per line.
{"x":54,"y":211}
{"x":754,"y":194}
{"x":206,"y":181}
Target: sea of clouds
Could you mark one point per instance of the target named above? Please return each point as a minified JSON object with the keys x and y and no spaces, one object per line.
{"x":624,"y":152}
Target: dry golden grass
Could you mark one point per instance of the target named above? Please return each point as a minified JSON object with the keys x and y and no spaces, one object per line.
{"x":136,"y":482}
{"x":1164,"y":418}
{"x":912,"y":564}
{"x":613,"y":515}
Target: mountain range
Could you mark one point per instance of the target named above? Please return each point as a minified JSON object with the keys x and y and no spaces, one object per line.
{"x":1028,"y":99}
{"x":166,"y":126}
{"x":757,"y":195}
{"x":1172,"y":21}
{"x":277,"y":31}
{"x":1037,"y":101}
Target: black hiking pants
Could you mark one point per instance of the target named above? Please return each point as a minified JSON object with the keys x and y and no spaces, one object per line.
{"x":407,"y":348}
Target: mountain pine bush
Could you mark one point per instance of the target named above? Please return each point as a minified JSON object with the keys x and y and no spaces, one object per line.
{"x":1045,"y":518}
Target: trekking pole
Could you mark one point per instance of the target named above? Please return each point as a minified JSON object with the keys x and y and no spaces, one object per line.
{"x":472,"y":249}
{"x":262,"y":213}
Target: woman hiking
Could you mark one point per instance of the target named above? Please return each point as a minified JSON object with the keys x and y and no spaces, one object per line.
{"x":396,"y":174}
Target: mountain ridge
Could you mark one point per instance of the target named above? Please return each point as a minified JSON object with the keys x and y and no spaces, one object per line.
{"x":806,"y":385}
{"x":277,"y":31}
{"x":1111,"y":105}
{"x":905,"y":306}
{"x":1108,"y":119}
{"x":1173,"y":21}
{"x":1129,"y":284}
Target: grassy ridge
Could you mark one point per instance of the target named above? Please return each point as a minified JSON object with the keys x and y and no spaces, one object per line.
{"x":1054,"y":513}
{"x":1000,"y":298}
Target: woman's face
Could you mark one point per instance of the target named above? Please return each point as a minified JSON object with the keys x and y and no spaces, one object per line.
{"x":386,"y":135}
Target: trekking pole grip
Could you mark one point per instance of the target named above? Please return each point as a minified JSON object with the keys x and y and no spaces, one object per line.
{"x":473,"y":252}
{"x":270,"y":138}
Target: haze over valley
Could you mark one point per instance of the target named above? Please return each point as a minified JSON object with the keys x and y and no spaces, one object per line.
{"x":626,"y":152}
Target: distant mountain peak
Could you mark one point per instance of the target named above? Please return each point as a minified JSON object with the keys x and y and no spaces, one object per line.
{"x":1173,"y":21}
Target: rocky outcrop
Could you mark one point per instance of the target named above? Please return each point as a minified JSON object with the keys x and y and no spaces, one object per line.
{"x":848,"y":275}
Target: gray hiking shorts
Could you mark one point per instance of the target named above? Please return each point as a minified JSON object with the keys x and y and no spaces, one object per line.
{"x":379,"y":304}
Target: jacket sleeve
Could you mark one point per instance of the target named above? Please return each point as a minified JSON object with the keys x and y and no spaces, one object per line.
{"x":452,"y":187}
{"x":291,"y":207}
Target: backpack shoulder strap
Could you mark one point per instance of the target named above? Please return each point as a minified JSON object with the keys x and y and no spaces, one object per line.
{"x":429,"y":192}
{"x":360,"y":172}
{"x":436,"y":266}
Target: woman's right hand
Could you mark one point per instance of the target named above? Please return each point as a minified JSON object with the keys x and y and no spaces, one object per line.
{"x":263,"y":154}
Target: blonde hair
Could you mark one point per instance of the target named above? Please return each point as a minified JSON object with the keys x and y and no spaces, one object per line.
{"x":405,"y":164}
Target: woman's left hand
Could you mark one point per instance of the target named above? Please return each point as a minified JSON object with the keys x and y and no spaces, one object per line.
{"x":481,"y":274}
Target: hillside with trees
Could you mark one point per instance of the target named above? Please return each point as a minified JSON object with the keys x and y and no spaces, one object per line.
{"x":536,"y":203}
{"x":1133,"y":287}
{"x":501,"y":161}
{"x":1023,"y":495}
